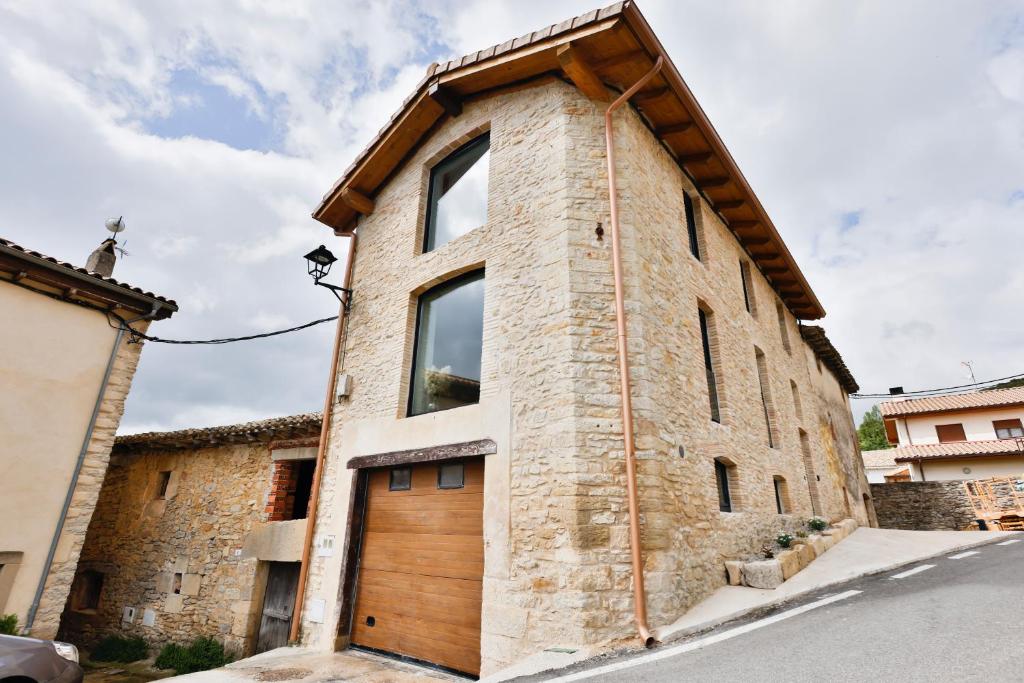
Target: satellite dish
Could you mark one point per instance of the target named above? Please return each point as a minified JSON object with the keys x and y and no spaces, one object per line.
{"x":116,"y":225}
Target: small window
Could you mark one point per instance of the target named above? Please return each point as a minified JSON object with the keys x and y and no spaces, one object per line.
{"x":458,"y":194}
{"x":86,"y":590}
{"x":748,"y":289}
{"x":400,"y":479}
{"x":448,"y":347}
{"x":1008,"y":429}
{"x":780,"y":311}
{"x":950,"y":433}
{"x":691,"y":225}
{"x":709,"y":367}
{"x":162,"y":482}
{"x":451,"y":476}
{"x":306,"y":471}
{"x":797,"y":406}
{"x":781,"y":495}
{"x":176,"y":585}
{"x":722,"y":481}
{"x":766,"y":396}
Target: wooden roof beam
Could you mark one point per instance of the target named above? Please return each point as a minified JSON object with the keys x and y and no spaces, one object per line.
{"x":696,"y":158}
{"x":581,"y":74}
{"x":652,"y":95}
{"x":620,"y":59}
{"x":448,"y":100}
{"x":357,"y":201}
{"x":751,"y":241}
{"x":716,"y":181}
{"x":673,"y":128}
{"x":729,"y":204}
{"x":744,"y":225}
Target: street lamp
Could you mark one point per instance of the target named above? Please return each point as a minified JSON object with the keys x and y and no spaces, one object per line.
{"x":319,"y":263}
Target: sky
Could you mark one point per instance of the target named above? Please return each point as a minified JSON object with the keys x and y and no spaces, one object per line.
{"x":885,"y":139}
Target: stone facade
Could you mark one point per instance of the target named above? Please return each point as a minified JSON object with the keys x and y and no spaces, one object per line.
{"x":557,"y":558}
{"x":923,"y":505}
{"x":189,"y":561}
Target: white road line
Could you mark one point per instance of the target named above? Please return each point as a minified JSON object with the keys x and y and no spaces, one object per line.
{"x":1012,"y":540}
{"x":960,"y":556}
{"x":910,"y":572}
{"x":703,"y":642}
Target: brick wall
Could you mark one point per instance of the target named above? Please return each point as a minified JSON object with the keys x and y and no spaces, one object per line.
{"x":281,"y":501}
{"x":922,"y":505}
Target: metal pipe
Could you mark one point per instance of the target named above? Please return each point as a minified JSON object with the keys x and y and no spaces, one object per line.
{"x":639,"y":597}
{"x":83,"y":451}
{"x":321,"y":452}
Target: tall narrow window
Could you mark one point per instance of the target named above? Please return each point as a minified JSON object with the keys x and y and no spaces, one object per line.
{"x":85,"y":591}
{"x":163,"y":480}
{"x":781,"y":495}
{"x":766,"y":397}
{"x":783,"y":330}
{"x":722,"y":482}
{"x":709,"y":367}
{"x":458,"y":193}
{"x":797,"y":406}
{"x":748,"y":288}
{"x":449,"y":342}
{"x":691,"y":225}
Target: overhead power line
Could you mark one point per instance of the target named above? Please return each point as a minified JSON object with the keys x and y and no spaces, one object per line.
{"x":136,"y":335}
{"x":941,"y":390}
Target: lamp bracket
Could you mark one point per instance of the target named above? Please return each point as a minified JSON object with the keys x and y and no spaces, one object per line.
{"x":335,"y":289}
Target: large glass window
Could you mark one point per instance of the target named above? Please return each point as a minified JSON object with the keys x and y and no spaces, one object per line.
{"x":458,"y":194}
{"x":449,"y":342}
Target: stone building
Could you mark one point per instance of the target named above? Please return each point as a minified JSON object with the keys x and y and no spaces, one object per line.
{"x":475,"y":473}
{"x":198,"y":532}
{"x":66,"y":365}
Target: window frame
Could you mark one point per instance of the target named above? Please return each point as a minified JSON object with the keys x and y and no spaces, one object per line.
{"x":711,"y":376}
{"x":451,"y":283}
{"x":939,"y":432}
{"x":391,"y":478}
{"x":723,"y":486}
{"x":432,"y":172}
{"x":779,"y":485}
{"x":163,"y":482}
{"x":767,"y":403}
{"x":1008,"y":426}
{"x":747,"y":284}
{"x":440,"y":471}
{"x":780,"y":311}
{"x":692,"y":228}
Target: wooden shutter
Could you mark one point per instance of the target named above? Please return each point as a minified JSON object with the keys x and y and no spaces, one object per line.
{"x":950,"y":433}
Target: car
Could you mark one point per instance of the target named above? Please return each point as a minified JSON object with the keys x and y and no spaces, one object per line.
{"x":28,"y":660}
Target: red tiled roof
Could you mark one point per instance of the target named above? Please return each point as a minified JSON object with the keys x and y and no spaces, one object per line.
{"x":69,"y":270}
{"x":271,"y":429}
{"x":938,"y":404}
{"x":959,"y":449}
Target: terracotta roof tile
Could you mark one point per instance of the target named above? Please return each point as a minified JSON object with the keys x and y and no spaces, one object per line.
{"x":819,"y":342}
{"x":938,"y":404}
{"x":71,"y":268}
{"x":288,"y":427}
{"x":959,"y":449}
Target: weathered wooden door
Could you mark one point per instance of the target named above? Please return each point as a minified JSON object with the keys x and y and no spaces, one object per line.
{"x":421,"y":568}
{"x":278,"y":605}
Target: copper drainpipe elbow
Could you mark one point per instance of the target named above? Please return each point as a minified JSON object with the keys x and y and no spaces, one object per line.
{"x":321,"y":453}
{"x":639,"y":596}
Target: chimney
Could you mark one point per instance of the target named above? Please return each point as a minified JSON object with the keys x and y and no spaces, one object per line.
{"x":895,"y":391}
{"x":101,"y":260}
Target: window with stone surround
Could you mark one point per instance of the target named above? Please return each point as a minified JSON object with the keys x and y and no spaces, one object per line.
{"x":722,"y":483}
{"x":780,"y":311}
{"x":705,"y":319}
{"x":290,"y":489}
{"x":457,"y":196}
{"x":163,"y":480}
{"x":797,"y":406}
{"x":782,"y":504}
{"x":85,"y":591}
{"x":748,"y":288}
{"x":766,"y":397}
{"x":448,"y":345}
{"x":694,"y":226}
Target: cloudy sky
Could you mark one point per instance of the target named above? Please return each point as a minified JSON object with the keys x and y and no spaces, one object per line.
{"x":886,"y":139}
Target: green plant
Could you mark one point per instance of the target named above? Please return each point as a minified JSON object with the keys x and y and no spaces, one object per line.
{"x":9,"y":624}
{"x":801,"y":534}
{"x":784,"y":539}
{"x":768,"y":551}
{"x":117,"y":649}
{"x":202,"y":654}
{"x":817,"y":524}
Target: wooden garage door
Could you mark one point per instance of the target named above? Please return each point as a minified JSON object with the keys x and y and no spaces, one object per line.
{"x":422,"y":561}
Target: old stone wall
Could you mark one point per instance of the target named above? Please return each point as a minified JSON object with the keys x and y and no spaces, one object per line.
{"x":922,"y":505}
{"x":176,"y":559}
{"x":87,"y":490}
{"x":549,"y":351}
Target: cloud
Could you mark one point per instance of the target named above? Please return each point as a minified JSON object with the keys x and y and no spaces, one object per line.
{"x":885,"y":139}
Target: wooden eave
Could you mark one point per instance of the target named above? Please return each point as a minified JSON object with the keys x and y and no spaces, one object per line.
{"x":617,"y":45}
{"x":829,"y":355}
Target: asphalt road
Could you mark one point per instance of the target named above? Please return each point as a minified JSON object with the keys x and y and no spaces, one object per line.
{"x":960,"y":620}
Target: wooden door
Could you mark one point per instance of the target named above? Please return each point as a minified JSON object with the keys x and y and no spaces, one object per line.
{"x":422,"y":561}
{"x":278,"y":605}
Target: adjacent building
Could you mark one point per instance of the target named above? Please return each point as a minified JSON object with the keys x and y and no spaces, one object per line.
{"x":198,"y":532}
{"x":475,"y":483}
{"x":972,"y":435}
{"x":66,"y":365}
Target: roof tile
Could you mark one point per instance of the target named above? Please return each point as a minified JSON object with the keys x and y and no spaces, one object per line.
{"x":938,"y":404}
{"x":958,"y":449}
{"x":290,"y":426}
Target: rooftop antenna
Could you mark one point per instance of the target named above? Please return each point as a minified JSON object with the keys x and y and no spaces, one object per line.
{"x":970,"y":370}
{"x":117,"y":225}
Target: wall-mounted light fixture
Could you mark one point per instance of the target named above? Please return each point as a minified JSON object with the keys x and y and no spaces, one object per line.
{"x":319,"y":262}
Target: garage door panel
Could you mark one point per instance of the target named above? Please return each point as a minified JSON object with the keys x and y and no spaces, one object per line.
{"x":421,"y":568}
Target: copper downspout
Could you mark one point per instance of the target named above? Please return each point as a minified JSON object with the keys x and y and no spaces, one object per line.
{"x":639,"y":597}
{"x":321,"y":452}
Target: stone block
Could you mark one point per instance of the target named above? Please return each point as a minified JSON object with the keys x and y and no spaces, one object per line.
{"x":789,"y":560}
{"x":190,"y":584}
{"x":805,"y":554}
{"x":828,"y":541}
{"x":763,"y":574}
{"x":817,"y":543}
{"x":174,"y":603}
{"x":164,"y":581}
{"x":734,"y":572}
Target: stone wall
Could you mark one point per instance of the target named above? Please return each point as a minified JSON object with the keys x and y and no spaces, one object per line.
{"x":922,"y":505}
{"x":215,"y":498}
{"x":557,"y":558}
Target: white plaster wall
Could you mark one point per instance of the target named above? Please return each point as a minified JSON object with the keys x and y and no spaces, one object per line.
{"x":52,"y":359}
{"x":977,"y":424}
{"x":981,"y":468}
